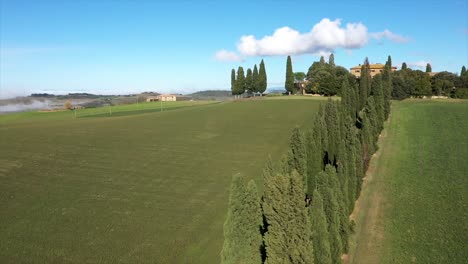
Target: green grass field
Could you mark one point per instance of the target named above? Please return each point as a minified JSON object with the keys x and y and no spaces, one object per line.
{"x":138,"y":188}
{"x":414,"y":207}
{"x":113,"y":111}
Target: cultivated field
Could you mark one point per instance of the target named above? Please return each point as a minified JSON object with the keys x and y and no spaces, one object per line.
{"x":137,"y":188}
{"x":414,"y":206}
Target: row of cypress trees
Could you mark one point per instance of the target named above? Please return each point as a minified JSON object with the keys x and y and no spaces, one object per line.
{"x":303,"y":214}
{"x":253,"y":82}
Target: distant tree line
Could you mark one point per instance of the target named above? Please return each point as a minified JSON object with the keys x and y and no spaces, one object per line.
{"x":254,"y":82}
{"x":303,"y":214}
{"x":326,"y":78}
{"x":416,"y":83}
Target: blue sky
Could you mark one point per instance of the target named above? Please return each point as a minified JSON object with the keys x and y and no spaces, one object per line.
{"x":174,"y":46}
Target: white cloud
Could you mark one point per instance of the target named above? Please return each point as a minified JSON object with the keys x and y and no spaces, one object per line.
{"x":387,"y":34}
{"x":419,"y":64}
{"x":224,"y":55}
{"x":324,"y":37}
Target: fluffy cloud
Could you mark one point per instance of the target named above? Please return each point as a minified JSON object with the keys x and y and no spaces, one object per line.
{"x":419,"y":64}
{"x":224,"y":55}
{"x":387,"y":34}
{"x":323,"y":38}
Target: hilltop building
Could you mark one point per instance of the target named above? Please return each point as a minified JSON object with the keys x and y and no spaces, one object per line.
{"x":374,"y":69}
{"x":162,"y":97}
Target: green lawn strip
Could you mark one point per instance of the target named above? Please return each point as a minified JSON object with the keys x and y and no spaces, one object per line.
{"x":426,"y":219}
{"x":415,"y":208}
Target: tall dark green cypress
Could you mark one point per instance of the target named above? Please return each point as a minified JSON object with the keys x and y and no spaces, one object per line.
{"x":242,"y":237}
{"x":378,"y":94}
{"x":387,"y":86}
{"x":347,"y":99}
{"x":463,"y":71}
{"x":288,"y":238}
{"x":367,"y":140}
{"x":255,"y":79}
{"x":331,"y":60}
{"x":262,"y":76}
{"x":298,"y":154}
{"x":240,"y":82}
{"x":322,"y":60}
{"x":428,"y":68}
{"x":289,"y":83}
{"x":364,"y":83}
{"x":326,"y":185}
{"x":233,"y":82}
{"x":314,"y":159}
{"x":249,"y":81}
{"x":320,"y":235}
{"x":333,"y":129}
{"x":404,"y":66}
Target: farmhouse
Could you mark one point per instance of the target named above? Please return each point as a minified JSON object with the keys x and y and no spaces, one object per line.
{"x":162,"y":97}
{"x":167,"y":97}
{"x":374,"y":69}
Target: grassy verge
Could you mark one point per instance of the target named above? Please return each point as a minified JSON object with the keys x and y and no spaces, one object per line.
{"x":415,"y":207}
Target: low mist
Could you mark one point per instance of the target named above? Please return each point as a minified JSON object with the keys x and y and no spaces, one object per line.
{"x":25,"y":106}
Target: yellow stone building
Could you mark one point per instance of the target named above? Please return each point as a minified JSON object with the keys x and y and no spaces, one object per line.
{"x":374,"y":69}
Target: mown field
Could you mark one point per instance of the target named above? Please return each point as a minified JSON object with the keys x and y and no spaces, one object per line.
{"x":414,"y":207}
{"x":108,"y":111}
{"x":136,"y":188}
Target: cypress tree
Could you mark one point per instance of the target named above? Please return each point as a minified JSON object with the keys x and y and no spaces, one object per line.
{"x":333,"y":130}
{"x":347,"y":99}
{"x":404,"y":66}
{"x":322,"y":60}
{"x":255,"y":79}
{"x":377,"y":91}
{"x":289,"y":83}
{"x":389,"y":61}
{"x":428,"y":68}
{"x":320,"y":235}
{"x":262,"y":76}
{"x":326,"y":186}
{"x":314,"y":159}
{"x":331,"y":60}
{"x":387,"y":86}
{"x":359,"y":164}
{"x":233,"y":82}
{"x":372,"y":115}
{"x":249,"y":81}
{"x":298,"y":155}
{"x":240,"y":83}
{"x":288,"y":238}
{"x":463,"y":71}
{"x":354,"y":101}
{"x":320,"y":128}
{"x":242,"y":237}
{"x":366,"y":140}
{"x":352,"y":182}
{"x":364,"y":83}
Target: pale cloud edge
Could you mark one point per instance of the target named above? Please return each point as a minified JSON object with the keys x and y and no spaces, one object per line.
{"x":225,"y":56}
{"x":419,"y":64}
{"x":324,"y":38}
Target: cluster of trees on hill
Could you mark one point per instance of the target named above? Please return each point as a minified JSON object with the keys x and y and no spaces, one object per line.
{"x":416,"y":83}
{"x":326,"y":78}
{"x":253,"y":82}
{"x":303,"y":214}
